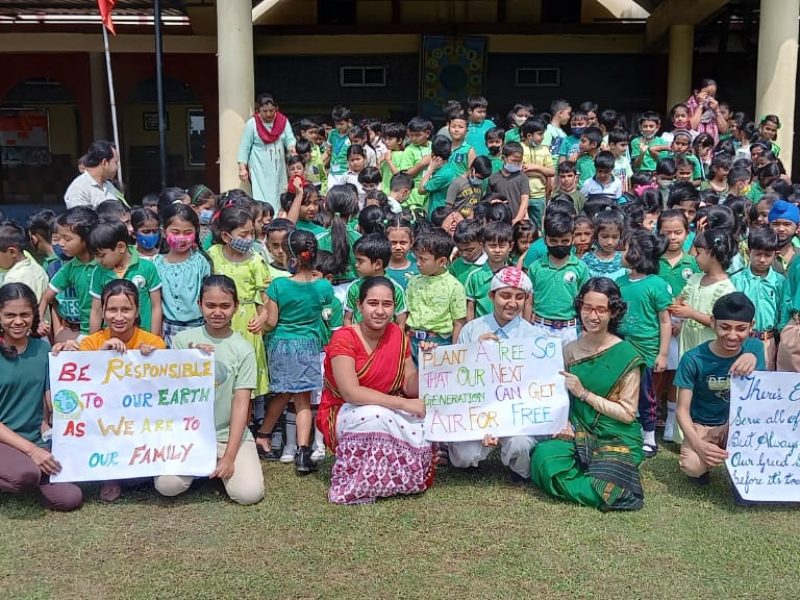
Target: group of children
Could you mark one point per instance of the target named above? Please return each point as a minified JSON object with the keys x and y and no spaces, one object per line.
{"x":565,"y":196}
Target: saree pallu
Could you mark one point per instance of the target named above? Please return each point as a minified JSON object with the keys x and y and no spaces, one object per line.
{"x":379,"y":452}
{"x":599,"y":467}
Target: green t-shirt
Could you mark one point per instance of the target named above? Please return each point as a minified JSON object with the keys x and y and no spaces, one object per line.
{"x":313,"y":228}
{"x":497,"y":163}
{"x":399,"y":162}
{"x":648,"y":162}
{"x":234,"y":369}
{"x":78,"y":276}
{"x":645,"y":297}
{"x":339,"y":144}
{"x":585,"y":168}
{"x":141,"y":273}
{"x":300,"y":305}
{"x":697,"y":168}
{"x":437,"y":185}
{"x":412,"y":156}
{"x":477,"y":289}
{"x":476,"y":136}
{"x":707,"y":375}
{"x":555,"y":288}
{"x":678,"y":274}
{"x":354,"y":290}
{"x":23,"y":382}
{"x":459,"y":158}
{"x":512,"y":135}
{"x":755,"y":192}
{"x":326,"y":243}
{"x":332,"y":319}
{"x":402,"y":276}
{"x":570,"y":148}
{"x":461,"y":269}
{"x":770,"y":295}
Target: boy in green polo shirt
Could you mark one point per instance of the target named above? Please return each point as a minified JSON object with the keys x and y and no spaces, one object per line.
{"x":73,"y":228}
{"x":681,"y":148}
{"x":462,"y":153}
{"x":589,"y":146}
{"x":498,"y":239}
{"x":373,"y":252}
{"x":338,"y":143}
{"x":767,"y":288}
{"x":494,"y":144}
{"x":469,"y":241}
{"x":439,"y":175}
{"x":417,"y":157}
{"x":393,"y":162}
{"x":557,"y":278}
{"x":704,"y":387}
{"x":646,"y":146}
{"x":116,"y":260}
{"x":437,"y":306}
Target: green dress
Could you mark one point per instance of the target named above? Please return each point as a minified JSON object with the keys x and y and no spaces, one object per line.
{"x":599,"y":467}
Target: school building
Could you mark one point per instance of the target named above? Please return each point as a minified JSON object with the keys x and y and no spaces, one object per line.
{"x":386,"y":58}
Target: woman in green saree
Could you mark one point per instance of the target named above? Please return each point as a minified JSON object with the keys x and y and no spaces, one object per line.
{"x":595,"y":460}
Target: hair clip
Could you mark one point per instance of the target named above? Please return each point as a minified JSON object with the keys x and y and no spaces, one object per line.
{"x":337,"y":214}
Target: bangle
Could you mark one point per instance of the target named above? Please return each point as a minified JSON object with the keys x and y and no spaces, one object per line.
{"x":584,"y":395}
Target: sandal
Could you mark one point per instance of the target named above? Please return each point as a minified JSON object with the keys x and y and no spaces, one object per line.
{"x":441,"y":457}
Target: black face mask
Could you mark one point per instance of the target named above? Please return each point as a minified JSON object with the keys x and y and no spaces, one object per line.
{"x":494,"y":150}
{"x":559,"y":252}
{"x":786,"y":242}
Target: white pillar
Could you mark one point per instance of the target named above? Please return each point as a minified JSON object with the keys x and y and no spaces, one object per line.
{"x":100,"y":106}
{"x":235,"y":83}
{"x":681,"y":54}
{"x":777,"y":68}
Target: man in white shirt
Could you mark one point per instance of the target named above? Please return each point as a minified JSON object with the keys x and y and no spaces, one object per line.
{"x":93,"y":185}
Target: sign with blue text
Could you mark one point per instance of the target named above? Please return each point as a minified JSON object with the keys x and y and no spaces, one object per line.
{"x":119,"y":416}
{"x":498,"y":388}
{"x":764,"y":437}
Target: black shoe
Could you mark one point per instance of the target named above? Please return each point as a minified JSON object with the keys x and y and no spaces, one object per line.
{"x":650,"y":450}
{"x":703,"y":480}
{"x":303,"y":465}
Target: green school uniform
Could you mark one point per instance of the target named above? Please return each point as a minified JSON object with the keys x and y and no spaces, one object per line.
{"x":555,"y":288}
{"x":437,"y":185}
{"x":585,"y":168}
{"x":645,"y":297}
{"x":756,"y":192}
{"x":332,"y":319}
{"x":311,"y":227}
{"x":497,"y":163}
{"x":697,"y":169}
{"x":402,"y":276}
{"x":770,"y":295}
{"x":399,"y":162}
{"x":459,"y":159}
{"x":78,"y":276}
{"x":476,"y":136}
{"x":300,"y":305}
{"x":477,"y":289}
{"x":23,"y":381}
{"x":412,"y":156}
{"x":648,"y":162}
{"x":326,"y":243}
{"x":512,"y":135}
{"x":708,"y":376}
{"x":462,"y":269}
{"x":339,"y":144}
{"x":353,"y":291}
{"x":141,"y":273}
{"x":678,"y":274}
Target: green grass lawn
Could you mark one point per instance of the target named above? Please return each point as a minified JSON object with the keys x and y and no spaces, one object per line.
{"x":473,"y":535}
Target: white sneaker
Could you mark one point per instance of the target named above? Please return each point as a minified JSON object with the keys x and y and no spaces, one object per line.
{"x":318,"y":454}
{"x":287,"y":456}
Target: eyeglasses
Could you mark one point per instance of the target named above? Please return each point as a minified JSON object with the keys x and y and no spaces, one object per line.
{"x":600,"y":311}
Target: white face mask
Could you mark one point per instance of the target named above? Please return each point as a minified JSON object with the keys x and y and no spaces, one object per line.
{"x":519,"y":120}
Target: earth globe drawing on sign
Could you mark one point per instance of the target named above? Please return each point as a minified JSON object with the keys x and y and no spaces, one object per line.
{"x":66,"y":402}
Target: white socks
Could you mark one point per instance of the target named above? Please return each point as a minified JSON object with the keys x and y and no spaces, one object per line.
{"x":649,"y":438}
{"x":669,"y":427}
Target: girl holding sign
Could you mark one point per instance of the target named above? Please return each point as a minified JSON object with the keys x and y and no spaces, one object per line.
{"x":25,"y":461}
{"x":119,"y":304}
{"x":238,"y":465}
{"x":595,"y":460}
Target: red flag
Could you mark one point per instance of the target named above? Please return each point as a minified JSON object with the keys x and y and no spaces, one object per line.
{"x":106,"y":6}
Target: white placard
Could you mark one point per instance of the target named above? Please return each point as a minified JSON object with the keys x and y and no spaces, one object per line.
{"x":764,"y":436}
{"x":119,"y":416}
{"x":505,"y":388}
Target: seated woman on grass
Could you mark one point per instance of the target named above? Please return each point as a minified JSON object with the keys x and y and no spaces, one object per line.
{"x":25,"y":459}
{"x":371,"y":415}
{"x":595,"y":460}
{"x":120,"y":307}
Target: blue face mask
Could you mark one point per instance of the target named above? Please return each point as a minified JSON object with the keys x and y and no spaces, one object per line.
{"x":205,"y":216}
{"x":578,"y":131}
{"x":512,"y":168}
{"x":475,"y":181}
{"x":59,"y":252}
{"x":241,"y":245}
{"x":148,"y":241}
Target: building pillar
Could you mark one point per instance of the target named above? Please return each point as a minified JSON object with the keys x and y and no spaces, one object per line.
{"x":235,"y":83}
{"x":100,"y":106}
{"x":777,"y":69}
{"x":681,"y":53}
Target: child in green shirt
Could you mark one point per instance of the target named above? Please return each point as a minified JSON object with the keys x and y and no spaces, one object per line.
{"x":646,"y":146}
{"x":439,"y":174}
{"x":338,"y":142}
{"x":392,"y":162}
{"x":468,"y":237}
{"x":73,"y":228}
{"x":417,"y":157}
{"x":462,"y":153}
{"x":497,"y":239}
{"x":494,"y":145}
{"x":589,"y":146}
{"x":116,"y":260}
